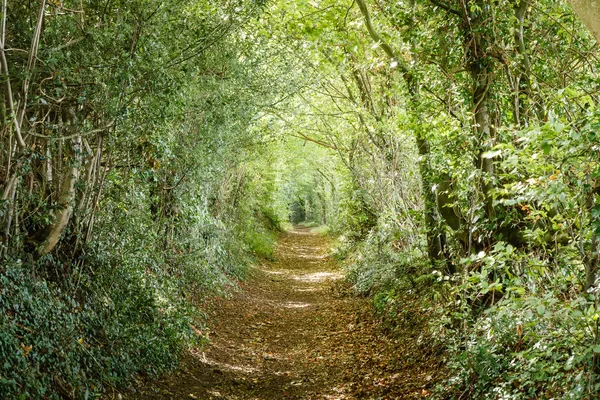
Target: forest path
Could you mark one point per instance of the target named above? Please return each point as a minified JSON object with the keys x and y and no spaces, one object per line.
{"x":294,"y":332}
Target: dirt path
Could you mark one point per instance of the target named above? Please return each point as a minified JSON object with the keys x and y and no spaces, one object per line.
{"x":292,"y":333}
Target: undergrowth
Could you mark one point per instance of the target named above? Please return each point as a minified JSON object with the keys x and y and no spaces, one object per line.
{"x":74,"y":330}
{"x":500,"y":333}
{"x":65,"y":341}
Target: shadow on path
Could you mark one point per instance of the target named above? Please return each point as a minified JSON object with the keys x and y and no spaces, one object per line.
{"x":292,"y":332}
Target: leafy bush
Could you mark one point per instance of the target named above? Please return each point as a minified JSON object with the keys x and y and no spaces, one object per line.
{"x":522,"y":349}
{"x":385,"y":260}
{"x":512,"y":334}
{"x":75,"y":341}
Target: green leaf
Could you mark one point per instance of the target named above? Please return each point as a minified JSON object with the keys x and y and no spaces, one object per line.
{"x":491,"y":154}
{"x":546,"y":147}
{"x":541,"y":309}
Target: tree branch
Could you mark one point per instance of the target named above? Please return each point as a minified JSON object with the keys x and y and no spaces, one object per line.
{"x":445,"y":7}
{"x":375,"y":36}
{"x":316,"y":141}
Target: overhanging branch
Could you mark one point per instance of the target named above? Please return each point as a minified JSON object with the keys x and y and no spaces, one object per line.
{"x":375,"y":36}
{"x":301,"y":135}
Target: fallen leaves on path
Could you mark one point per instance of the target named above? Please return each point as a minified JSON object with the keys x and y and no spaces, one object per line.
{"x":294,"y":331}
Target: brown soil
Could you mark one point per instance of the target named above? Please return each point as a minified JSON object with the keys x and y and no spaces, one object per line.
{"x":293,"y":331}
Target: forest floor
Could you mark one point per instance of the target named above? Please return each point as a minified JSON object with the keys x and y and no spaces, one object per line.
{"x":294,"y":331}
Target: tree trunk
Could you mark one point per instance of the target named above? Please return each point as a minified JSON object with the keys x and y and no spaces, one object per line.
{"x":434,"y":241}
{"x":65,"y":200}
{"x":483,"y":130}
{"x":477,"y":45}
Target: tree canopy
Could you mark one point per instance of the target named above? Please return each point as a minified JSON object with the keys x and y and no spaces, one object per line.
{"x":151,"y":150}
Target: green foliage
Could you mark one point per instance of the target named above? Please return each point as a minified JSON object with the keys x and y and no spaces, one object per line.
{"x":386,"y":261}
{"x":151,"y":150}
{"x":524,"y":348}
{"x":53,"y":341}
{"x":461,"y":126}
{"x":148,"y":106}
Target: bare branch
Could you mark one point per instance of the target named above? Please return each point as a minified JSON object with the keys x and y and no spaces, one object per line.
{"x":316,"y":141}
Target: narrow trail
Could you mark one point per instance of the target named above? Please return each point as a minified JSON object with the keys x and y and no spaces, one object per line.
{"x":293,"y":332}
